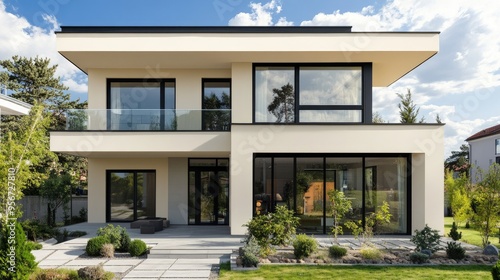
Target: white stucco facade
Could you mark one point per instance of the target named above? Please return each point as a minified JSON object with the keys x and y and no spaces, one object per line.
{"x":199,"y":56}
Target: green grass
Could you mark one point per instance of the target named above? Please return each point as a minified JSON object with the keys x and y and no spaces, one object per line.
{"x":301,"y":272}
{"x":470,"y":235}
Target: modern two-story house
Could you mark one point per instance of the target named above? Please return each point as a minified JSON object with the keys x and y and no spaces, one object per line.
{"x":213,"y":125}
{"x":484,"y":149}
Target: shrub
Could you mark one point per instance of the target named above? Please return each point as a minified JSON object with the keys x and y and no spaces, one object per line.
{"x":24,"y":261}
{"x":35,"y":230}
{"x":94,"y":273}
{"x":426,"y":238}
{"x":117,"y":235}
{"x":108,"y":250}
{"x":370,"y":253}
{"x":250,"y":253}
{"x":337,"y":251}
{"x":495,"y":271}
{"x":304,"y":246}
{"x":455,"y":251}
{"x":273,"y":229}
{"x":137,"y":248}
{"x":54,"y":274}
{"x":418,"y":257}
{"x":454,"y":234}
{"x":32,"y":245}
{"x":77,"y":233}
{"x":94,"y":245}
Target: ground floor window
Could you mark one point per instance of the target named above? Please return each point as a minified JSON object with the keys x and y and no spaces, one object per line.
{"x":131,"y":194}
{"x":301,"y":183}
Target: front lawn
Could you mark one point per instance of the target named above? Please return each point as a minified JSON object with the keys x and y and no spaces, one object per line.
{"x":300,"y":272}
{"x":470,"y":235}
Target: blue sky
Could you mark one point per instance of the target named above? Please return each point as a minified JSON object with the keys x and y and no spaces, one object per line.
{"x":461,"y":83}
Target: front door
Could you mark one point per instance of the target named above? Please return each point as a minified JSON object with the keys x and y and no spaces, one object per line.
{"x":208,"y":195}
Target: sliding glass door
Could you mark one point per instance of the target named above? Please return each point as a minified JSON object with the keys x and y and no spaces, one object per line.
{"x":130,"y":195}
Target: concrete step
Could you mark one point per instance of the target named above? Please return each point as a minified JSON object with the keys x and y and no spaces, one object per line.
{"x":189,"y":253}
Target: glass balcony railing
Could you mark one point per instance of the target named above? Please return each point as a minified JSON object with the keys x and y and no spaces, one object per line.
{"x":149,"y":120}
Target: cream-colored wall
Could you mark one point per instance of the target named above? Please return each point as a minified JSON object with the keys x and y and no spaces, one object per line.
{"x":97,"y":183}
{"x":187,"y":83}
{"x":241,"y":87}
{"x":178,"y":190}
{"x":425,"y":142}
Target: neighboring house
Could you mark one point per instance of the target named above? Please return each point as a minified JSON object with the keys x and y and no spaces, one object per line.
{"x":212,"y":125}
{"x":484,"y":149}
{"x":12,"y":106}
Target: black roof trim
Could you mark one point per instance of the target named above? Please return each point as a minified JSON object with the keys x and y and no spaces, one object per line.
{"x":205,"y":29}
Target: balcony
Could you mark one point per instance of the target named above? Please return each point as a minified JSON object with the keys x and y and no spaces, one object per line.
{"x":148,"y":120}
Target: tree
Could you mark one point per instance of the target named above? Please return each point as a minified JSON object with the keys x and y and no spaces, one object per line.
{"x":438,"y":119}
{"x":283,"y":104}
{"x":20,"y":151}
{"x":56,"y":189}
{"x":458,"y":191}
{"x":340,"y":206}
{"x":377,"y":118}
{"x":216,"y":118}
{"x":487,"y":201}
{"x":408,"y":111}
{"x":33,"y":80}
{"x":459,"y":160}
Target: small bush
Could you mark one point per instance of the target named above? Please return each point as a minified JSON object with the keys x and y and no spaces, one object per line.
{"x":34,"y":230}
{"x":337,"y":251}
{"x":24,"y":261}
{"x":33,"y":245}
{"x":426,"y":238}
{"x":495,"y":271}
{"x":94,"y":273}
{"x":117,"y":236}
{"x":454,"y":234}
{"x":455,"y":251}
{"x":94,"y":245}
{"x":250,"y":253}
{"x":370,"y":253}
{"x":304,"y":246}
{"x":137,"y":248}
{"x":108,"y":250}
{"x":54,"y":274}
{"x":418,"y":257}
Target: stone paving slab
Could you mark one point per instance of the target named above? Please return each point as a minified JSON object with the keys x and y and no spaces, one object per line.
{"x":86,"y":262}
{"x":198,"y":261}
{"x":47,"y":266}
{"x":157,"y":266}
{"x":41,"y":254}
{"x":145,"y":273}
{"x":192,"y":266}
{"x":66,"y":254}
{"x":117,"y":268}
{"x":186,"y":274}
{"x":141,"y":278}
{"x":72,"y":267}
{"x":124,"y":262}
{"x":53,"y":262}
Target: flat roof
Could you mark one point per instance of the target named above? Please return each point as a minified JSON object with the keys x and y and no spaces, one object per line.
{"x":12,"y":106}
{"x":205,"y":29}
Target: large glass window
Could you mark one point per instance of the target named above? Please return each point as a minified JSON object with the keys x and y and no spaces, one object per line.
{"x":302,"y":183}
{"x":275,"y":94}
{"x":131,"y":195}
{"x":216,"y":104}
{"x":141,"y":104}
{"x":308,"y":94}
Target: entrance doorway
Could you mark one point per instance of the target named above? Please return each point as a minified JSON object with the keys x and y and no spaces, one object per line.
{"x":208,"y":192}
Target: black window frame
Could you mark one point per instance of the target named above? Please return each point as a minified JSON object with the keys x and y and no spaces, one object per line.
{"x":108,"y":190}
{"x":366,"y":92}
{"x":216,"y":80}
{"x":133,"y":80}
{"x":363,"y":157}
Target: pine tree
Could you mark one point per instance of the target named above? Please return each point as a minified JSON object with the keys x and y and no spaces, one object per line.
{"x":408,"y":111}
{"x":283,"y":104}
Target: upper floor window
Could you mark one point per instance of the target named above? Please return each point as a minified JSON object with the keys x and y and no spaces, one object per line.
{"x":141,"y":104}
{"x":216,"y":104}
{"x":497,"y":146}
{"x":308,"y":94}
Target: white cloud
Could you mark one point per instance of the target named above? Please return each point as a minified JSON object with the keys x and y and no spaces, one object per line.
{"x":19,"y":37}
{"x":261,"y":15}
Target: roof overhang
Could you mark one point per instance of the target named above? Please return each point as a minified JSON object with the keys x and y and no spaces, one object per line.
{"x":393,"y":54}
{"x":12,"y":106}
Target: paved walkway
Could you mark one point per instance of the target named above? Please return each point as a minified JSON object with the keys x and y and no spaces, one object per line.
{"x":179,"y":252}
